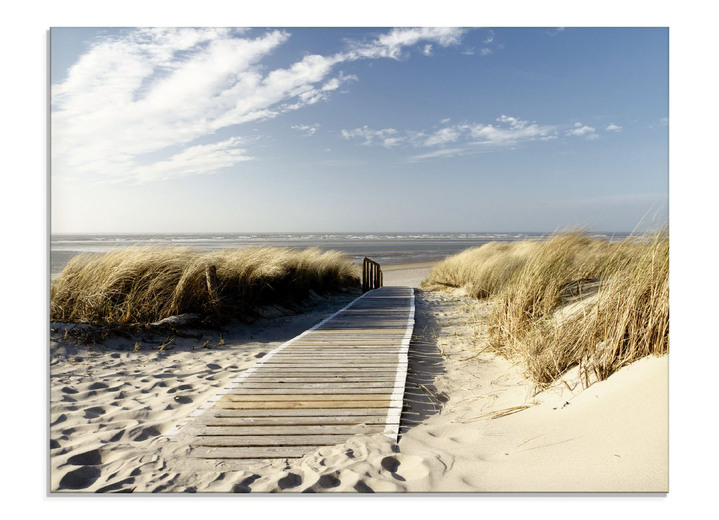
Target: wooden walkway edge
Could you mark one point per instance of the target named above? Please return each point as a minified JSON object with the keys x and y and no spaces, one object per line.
{"x":343,"y":377}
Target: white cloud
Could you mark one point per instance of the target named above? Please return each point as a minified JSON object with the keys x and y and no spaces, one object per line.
{"x":387,"y":137}
{"x":466,"y":137}
{"x":443,"y":136}
{"x":307,"y":130}
{"x":391,"y":44}
{"x":195,"y":160}
{"x":613,"y":128}
{"x":583,"y":130}
{"x":132,"y":100}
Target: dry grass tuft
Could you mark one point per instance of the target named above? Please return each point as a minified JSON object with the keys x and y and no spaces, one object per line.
{"x":143,"y":285}
{"x":529,"y":283}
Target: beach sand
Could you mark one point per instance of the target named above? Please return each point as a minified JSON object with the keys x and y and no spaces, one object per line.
{"x":471,"y":422}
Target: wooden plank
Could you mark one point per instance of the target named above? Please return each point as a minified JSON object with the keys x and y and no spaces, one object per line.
{"x":290,"y":405}
{"x":339,"y":360}
{"x":302,"y":364}
{"x":355,"y":414}
{"x":302,"y":390}
{"x":304,"y":397}
{"x":320,"y":378}
{"x":251,"y":441}
{"x":287,"y":372}
{"x":294,"y":429}
{"x":332,"y":385}
{"x":294,"y":421}
{"x":292,"y":452}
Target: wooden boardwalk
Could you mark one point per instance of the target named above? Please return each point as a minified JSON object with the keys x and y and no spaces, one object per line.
{"x":343,"y":377}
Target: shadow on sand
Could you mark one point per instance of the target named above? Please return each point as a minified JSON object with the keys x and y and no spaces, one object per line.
{"x":421,"y":398}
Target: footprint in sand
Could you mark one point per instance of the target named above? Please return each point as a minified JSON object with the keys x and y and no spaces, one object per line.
{"x":390,"y":464}
{"x":89,"y":458}
{"x":244,"y":485}
{"x":405,"y":467}
{"x":328,"y":481}
{"x":117,"y":487}
{"x":94,"y":412}
{"x":80,"y":478}
{"x":361,"y":487}
{"x":181,"y":388}
{"x":143,"y":434}
{"x":61,"y":418}
{"x":290,"y":481}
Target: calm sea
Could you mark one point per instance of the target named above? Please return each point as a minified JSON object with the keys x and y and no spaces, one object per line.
{"x":384,"y":248}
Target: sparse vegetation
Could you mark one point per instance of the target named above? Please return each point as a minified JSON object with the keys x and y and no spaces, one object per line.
{"x":143,"y":285}
{"x":532,"y":284}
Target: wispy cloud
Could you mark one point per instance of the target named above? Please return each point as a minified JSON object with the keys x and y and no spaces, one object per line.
{"x":387,"y":137}
{"x":394,"y":43}
{"x":307,"y":130}
{"x":465,"y":137}
{"x":586,"y":131}
{"x":489,"y":46}
{"x":143,"y":105}
{"x":613,"y":128}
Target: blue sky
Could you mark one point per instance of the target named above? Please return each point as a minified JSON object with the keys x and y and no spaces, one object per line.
{"x":353,"y":129}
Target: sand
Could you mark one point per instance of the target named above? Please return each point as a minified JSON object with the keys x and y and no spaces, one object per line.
{"x":472,"y":422}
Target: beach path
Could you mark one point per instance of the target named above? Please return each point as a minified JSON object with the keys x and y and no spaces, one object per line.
{"x":341,"y":378}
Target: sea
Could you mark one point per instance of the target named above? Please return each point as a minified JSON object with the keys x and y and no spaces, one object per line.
{"x":383,"y":248}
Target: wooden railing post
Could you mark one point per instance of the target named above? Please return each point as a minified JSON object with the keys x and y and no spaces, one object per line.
{"x":211,"y":279}
{"x":371,"y":275}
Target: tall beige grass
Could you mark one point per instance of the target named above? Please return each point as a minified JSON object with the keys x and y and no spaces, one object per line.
{"x":482,"y":271}
{"x":529,"y":282}
{"x":141,"y":285}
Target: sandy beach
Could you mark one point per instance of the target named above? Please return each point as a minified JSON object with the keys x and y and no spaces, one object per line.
{"x":471,"y":421}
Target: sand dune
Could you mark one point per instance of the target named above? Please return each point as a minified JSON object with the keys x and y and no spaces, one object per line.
{"x":471,"y":421}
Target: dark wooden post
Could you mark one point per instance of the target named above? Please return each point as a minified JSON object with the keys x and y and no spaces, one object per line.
{"x":211,"y":278}
{"x":372,"y":277}
{"x":364,"y":275}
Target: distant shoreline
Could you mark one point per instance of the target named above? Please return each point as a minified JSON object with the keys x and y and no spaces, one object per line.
{"x":384,"y":248}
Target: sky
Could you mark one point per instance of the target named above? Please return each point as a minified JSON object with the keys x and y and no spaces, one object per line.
{"x":358,"y":129}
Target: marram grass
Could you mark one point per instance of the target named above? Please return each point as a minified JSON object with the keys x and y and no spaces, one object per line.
{"x":142,"y":285}
{"x":528,"y":284}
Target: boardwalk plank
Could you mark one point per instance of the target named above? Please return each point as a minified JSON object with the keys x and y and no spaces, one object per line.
{"x":293,"y":429}
{"x":290,"y":405}
{"x":253,"y":441}
{"x":253,"y":454}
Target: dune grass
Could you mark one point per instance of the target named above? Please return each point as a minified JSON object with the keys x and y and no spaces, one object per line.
{"x":529,"y":282}
{"x":143,"y":285}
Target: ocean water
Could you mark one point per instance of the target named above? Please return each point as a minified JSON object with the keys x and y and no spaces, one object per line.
{"x":384,"y":248}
